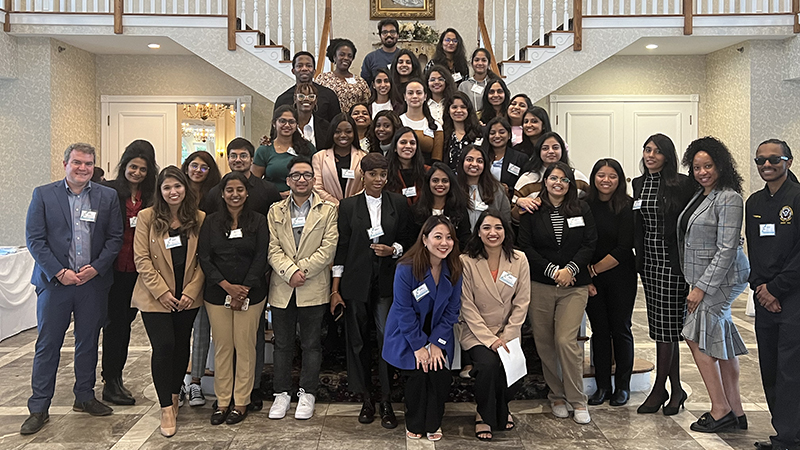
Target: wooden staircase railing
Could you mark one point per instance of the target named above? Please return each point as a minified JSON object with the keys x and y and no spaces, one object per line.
{"x":484,"y":36}
{"x":324,"y":37}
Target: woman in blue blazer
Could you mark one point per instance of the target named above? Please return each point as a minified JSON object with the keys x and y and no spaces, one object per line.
{"x":419,"y":330}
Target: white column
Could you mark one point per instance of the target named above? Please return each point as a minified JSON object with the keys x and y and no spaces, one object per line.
{"x":589,"y":6}
{"x":494,"y":41}
{"x":305,"y":35}
{"x":516,"y":30}
{"x":266,"y":23}
{"x":505,"y":30}
{"x":541,"y":22}
{"x":554,"y":19}
{"x":566,"y":13}
{"x":530,"y":23}
{"x":244,"y":14}
{"x":316,"y":28}
{"x":291,"y":27}
{"x":255,"y":17}
{"x":280,"y":24}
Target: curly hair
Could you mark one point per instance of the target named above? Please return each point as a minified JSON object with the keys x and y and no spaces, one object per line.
{"x":728,"y":176}
{"x":335,"y":45}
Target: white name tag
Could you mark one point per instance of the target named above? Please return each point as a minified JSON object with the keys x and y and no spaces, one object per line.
{"x":421,"y":291}
{"x":428,"y":132}
{"x":478,"y":142}
{"x":477,"y":89}
{"x":410,"y":192}
{"x":389,"y":66}
{"x":291,"y":151}
{"x":349,"y":174}
{"x":637,"y":204}
{"x":298,"y":222}
{"x":767,"y":229}
{"x":89,"y":216}
{"x":172,"y":242}
{"x":457,"y":77}
{"x":508,"y":279}
{"x":480,"y":206}
{"x":375,"y":232}
{"x":574,"y":222}
{"x":235,"y":234}
{"x":133,"y":221}
{"x":351,"y":80}
{"x":513,"y":168}
{"x":442,"y":341}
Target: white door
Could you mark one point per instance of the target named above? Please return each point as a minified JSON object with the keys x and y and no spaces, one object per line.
{"x":591,"y":130}
{"x":153,"y":122}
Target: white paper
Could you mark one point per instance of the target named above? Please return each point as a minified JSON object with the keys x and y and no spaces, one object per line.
{"x":513,"y":362}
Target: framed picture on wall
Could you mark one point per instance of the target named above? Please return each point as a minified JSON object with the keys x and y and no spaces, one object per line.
{"x":401,"y":9}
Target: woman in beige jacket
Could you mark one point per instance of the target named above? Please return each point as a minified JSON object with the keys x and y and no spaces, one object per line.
{"x":494,"y":302}
{"x":170,"y":284}
{"x":337,"y":170}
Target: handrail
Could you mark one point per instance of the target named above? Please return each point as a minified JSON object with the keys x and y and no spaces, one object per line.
{"x":119,"y":9}
{"x":577,"y":25}
{"x":795,"y":12}
{"x":485,"y":36}
{"x":324,"y":37}
{"x":688,"y":19}
{"x":231,"y":25}
{"x":7,"y":22}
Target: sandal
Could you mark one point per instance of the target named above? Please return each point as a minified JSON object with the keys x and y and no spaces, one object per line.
{"x":481,"y":435}
{"x":435,"y":436}
{"x":510,"y":423}
{"x":411,"y":435}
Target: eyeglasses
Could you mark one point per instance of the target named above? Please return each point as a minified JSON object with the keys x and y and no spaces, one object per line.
{"x":774,"y":159}
{"x":242,"y":156}
{"x":195,"y":166}
{"x":283,"y":121}
{"x":304,"y":97}
{"x":555,"y":179}
{"x":450,"y":41}
{"x":388,"y":32}
{"x":295,"y":176}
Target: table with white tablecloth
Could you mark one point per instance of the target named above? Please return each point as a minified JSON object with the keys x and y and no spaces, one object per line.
{"x":17,"y":294}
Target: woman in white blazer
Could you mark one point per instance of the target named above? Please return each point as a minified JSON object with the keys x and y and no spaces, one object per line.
{"x":338,"y":168}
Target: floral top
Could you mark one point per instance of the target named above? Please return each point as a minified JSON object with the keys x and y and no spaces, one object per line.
{"x":350,"y":91}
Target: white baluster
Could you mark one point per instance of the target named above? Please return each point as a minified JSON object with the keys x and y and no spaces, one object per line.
{"x":316,"y":27}
{"x":152,"y":6}
{"x":96,"y":7}
{"x":83,"y":5}
{"x":505,"y":30}
{"x":711,"y":6}
{"x":530,"y":23}
{"x":266,"y":23}
{"x":291,"y":27}
{"x":665,"y":9}
{"x":644,"y":6}
{"x":622,"y":7}
{"x":255,"y":16}
{"x":305,"y":35}
{"x":280,"y":24}
{"x":566,"y":14}
{"x":197,"y":8}
{"x":186,"y":6}
{"x":554,"y":18}
{"x":208,"y":6}
{"x":754,"y":6}
{"x":174,"y":6}
{"x":516,"y":30}
{"x":589,"y":6}
{"x":541,"y":22}
{"x":494,"y":41}
{"x":633,"y":7}
{"x":611,"y":6}
{"x":141,"y":6}
{"x":244,"y":14}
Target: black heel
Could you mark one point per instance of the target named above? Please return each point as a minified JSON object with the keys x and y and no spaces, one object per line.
{"x":672,"y":410}
{"x":646,"y":409}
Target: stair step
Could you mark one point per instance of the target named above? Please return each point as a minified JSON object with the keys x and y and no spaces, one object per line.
{"x":515,"y":61}
{"x":639,"y":366}
{"x":540,"y":46}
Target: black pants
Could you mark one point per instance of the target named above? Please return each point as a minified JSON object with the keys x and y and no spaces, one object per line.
{"x":170,"y":335}
{"x":285,"y":322}
{"x":425,"y":395}
{"x":779,"y":358}
{"x":117,"y":329}
{"x":360,"y":317}
{"x":610,"y":315}
{"x":491,"y":392}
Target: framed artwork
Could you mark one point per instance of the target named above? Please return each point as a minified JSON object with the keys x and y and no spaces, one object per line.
{"x":401,"y":9}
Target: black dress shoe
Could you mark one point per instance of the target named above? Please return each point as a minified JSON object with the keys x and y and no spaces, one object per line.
{"x":124,"y":389}
{"x":92,"y":407}
{"x":235,"y":416}
{"x":742,"y":421}
{"x":620,"y":397}
{"x":599,"y":396}
{"x":367,"y":414}
{"x":763,"y":445}
{"x":707,"y":424}
{"x":388,"y":419}
{"x":256,"y":401}
{"x":219,"y":416}
{"x":113,"y":392}
{"x":34,"y":423}
{"x":672,"y":410}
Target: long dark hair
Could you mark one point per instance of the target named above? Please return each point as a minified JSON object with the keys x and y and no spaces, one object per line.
{"x":373,"y":93}
{"x":570,"y":206}
{"x":487,"y":146}
{"x":449,"y":84}
{"x":339,"y":118}
{"x":487,"y":184}
{"x":456,"y":201}
{"x":393,"y":182}
{"x":374,"y":143}
{"x":669,"y":172}
{"x":487,"y":110}
{"x":426,"y":110}
{"x":474,"y":248}
{"x":489,"y":73}
{"x":212,"y":179}
{"x":535,"y":162}
{"x":419,"y":259}
{"x":728,"y":176}
{"x":246,"y":220}
{"x":460,"y":63}
{"x":394,"y":76}
{"x":187,"y":212}
{"x":472,"y":127}
{"x":527,"y":145}
{"x":299,"y":143}
{"x":619,"y":199}
{"x":528,"y":103}
{"x":137,"y":149}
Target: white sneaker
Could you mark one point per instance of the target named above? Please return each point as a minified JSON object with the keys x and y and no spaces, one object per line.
{"x":305,"y":405}
{"x":196,"y":397}
{"x":560,"y":411}
{"x":581,"y":416}
{"x":181,"y":395}
{"x":280,"y":406}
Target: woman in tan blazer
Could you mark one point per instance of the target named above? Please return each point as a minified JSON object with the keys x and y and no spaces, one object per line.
{"x":494,"y":302}
{"x":170,"y":285}
{"x":338,"y":169}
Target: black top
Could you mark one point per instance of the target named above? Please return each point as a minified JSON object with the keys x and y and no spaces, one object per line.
{"x":238,"y":260}
{"x":327,"y":101}
{"x":687,"y":214}
{"x":178,"y":261}
{"x":261,"y":194}
{"x":342,"y":162}
{"x":614,"y":235}
{"x":463,"y":228}
{"x":508,"y":178}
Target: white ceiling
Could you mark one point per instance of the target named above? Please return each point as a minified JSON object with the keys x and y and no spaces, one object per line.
{"x":124,"y":45}
{"x":687,"y":45}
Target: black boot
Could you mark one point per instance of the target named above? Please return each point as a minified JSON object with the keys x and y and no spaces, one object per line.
{"x":113,"y":392}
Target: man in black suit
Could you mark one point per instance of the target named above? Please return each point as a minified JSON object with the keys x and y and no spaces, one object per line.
{"x":374,"y":230}
{"x":303,"y":66}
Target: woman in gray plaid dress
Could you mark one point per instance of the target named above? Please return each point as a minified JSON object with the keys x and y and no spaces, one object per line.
{"x":659,"y":196}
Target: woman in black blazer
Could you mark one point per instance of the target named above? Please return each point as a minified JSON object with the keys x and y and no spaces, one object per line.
{"x":659,"y":196}
{"x":559,"y":241}
{"x":505,"y":162}
{"x":373,"y":232}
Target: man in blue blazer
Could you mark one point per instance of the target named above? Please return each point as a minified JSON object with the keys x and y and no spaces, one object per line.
{"x":74,"y":232}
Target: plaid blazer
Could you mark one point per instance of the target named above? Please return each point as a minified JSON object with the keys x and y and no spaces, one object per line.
{"x":711,"y":249}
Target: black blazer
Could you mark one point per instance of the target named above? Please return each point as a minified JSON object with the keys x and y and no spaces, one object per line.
{"x":463,"y":228}
{"x":538,"y":240}
{"x":322,"y":128}
{"x":509,"y":179}
{"x":353,"y":250}
{"x":261,"y":195}
{"x":327,"y":101}
{"x":683,"y":193}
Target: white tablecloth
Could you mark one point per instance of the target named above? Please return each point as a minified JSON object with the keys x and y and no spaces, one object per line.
{"x":17,"y":294}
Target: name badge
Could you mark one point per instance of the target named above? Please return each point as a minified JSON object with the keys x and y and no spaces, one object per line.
{"x":351,"y":80}
{"x":457,"y":77}
{"x":637,"y":204}
{"x":442,"y":341}
{"x":172,"y":242}
{"x":428,"y":132}
{"x":410,"y":192}
{"x":298,"y":222}
{"x":480,"y":206}
{"x":89,"y":216}
{"x":389,"y":66}
{"x":508,"y":279}
{"x":375,"y":232}
{"x":574,"y":222}
{"x":766,"y":229}
{"x":514,"y":169}
{"x":420,"y":292}
{"x":477,"y":89}
{"x":479,"y":141}
{"x":133,"y":221}
{"x":235,"y":234}
{"x":291,"y":151}
{"x":349,"y":174}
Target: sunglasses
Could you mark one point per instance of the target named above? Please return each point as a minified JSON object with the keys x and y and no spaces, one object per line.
{"x":774,"y":159}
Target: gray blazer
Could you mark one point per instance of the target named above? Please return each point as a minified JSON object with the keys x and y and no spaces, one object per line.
{"x":711,"y":250}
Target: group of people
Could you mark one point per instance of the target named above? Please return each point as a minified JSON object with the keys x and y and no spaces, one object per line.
{"x":442,"y":230}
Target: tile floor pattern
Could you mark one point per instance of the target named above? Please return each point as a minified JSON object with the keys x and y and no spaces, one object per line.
{"x":334,"y":426}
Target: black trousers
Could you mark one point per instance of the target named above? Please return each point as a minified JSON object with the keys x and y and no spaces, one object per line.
{"x":425,"y":395}
{"x":610,"y":315}
{"x":117,"y":329}
{"x":360,"y":317}
{"x":492,"y":392}
{"x":779,"y":358}
{"x":170,"y":335}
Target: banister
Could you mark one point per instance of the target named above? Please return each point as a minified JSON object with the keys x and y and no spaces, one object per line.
{"x":485,"y":35}
{"x":231,"y":24}
{"x":795,"y":12}
{"x":7,"y":24}
{"x":324,"y":37}
{"x":119,"y":9}
{"x":577,"y":25}
{"x":688,"y":16}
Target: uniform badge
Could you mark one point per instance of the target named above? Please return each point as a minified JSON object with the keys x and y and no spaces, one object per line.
{"x":786,"y":215}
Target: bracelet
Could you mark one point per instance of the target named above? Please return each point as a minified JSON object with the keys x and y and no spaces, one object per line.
{"x":61,"y":274}
{"x":334,"y":292}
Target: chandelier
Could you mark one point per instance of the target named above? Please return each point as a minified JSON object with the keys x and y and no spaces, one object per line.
{"x":197,"y":133}
{"x":205,"y":112}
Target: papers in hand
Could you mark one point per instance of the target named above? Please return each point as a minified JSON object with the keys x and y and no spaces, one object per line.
{"x":513,"y":361}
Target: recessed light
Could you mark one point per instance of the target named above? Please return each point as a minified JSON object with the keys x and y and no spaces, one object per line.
{"x":651,"y":46}
{"x":154,"y":46}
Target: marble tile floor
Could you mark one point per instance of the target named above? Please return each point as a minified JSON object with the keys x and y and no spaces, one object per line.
{"x":334,"y":426}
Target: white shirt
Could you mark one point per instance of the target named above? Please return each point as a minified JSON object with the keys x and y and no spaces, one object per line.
{"x":497,"y":169}
{"x":437,"y":111}
{"x":378,"y":107}
{"x":417,"y":125}
{"x":308,"y":130}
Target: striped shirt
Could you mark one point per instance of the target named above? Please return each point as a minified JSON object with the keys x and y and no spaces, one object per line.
{"x":558,"y":230}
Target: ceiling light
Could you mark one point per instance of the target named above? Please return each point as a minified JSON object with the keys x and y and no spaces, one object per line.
{"x":651,"y":46}
{"x":154,"y":46}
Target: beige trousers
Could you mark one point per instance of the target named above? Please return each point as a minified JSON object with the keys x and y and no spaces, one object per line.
{"x":556,"y":314}
{"x":234,"y":332}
